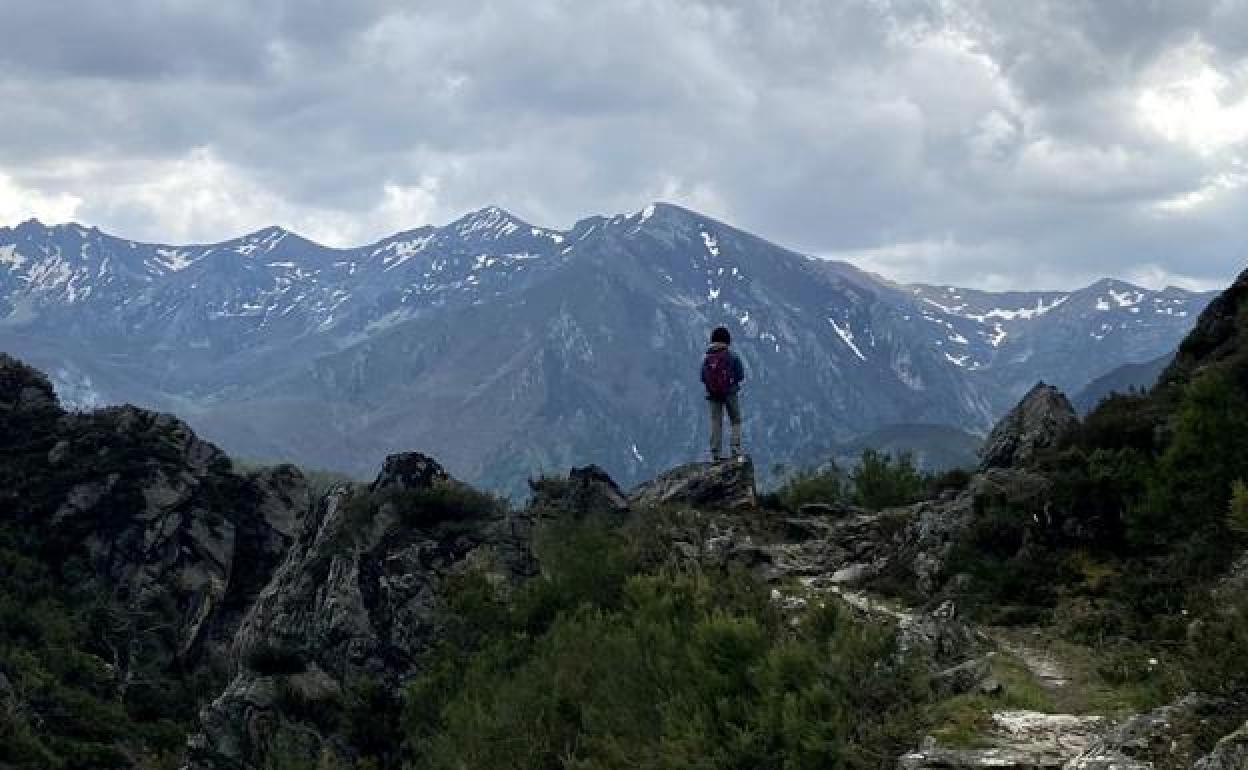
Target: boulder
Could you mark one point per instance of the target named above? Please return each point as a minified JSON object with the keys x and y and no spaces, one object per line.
{"x":408,"y":471}
{"x":723,"y":485}
{"x":1040,"y":421}
{"x":963,"y":677}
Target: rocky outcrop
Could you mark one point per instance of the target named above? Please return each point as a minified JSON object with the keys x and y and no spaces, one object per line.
{"x":1017,"y":740}
{"x":726,"y":485}
{"x":180,"y":529}
{"x":586,"y":490}
{"x":1231,"y":753}
{"x":165,"y":526}
{"x":1157,"y":738}
{"x":23,"y":388}
{"x":1040,"y":421}
{"x":1218,"y":336}
{"x":358,"y":598}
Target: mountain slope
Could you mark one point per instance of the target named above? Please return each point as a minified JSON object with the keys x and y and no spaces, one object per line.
{"x":510,"y":350}
{"x":1123,"y":379}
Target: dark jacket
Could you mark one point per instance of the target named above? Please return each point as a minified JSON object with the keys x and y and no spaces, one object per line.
{"x":738,"y":368}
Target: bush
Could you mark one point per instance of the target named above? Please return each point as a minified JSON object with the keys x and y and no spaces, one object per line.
{"x":636,"y":667}
{"x":1190,"y":490}
{"x":823,"y":485}
{"x":879,"y":480}
{"x":1237,"y":516}
{"x":882,"y":481}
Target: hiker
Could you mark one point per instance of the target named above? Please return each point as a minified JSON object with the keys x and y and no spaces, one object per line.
{"x":722,"y":374}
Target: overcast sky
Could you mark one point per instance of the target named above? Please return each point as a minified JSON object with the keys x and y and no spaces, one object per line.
{"x":995,"y":144}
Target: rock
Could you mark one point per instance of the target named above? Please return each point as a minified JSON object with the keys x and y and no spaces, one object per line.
{"x":723,"y":485}
{"x":805,"y":527}
{"x":991,"y":686}
{"x":586,"y":490}
{"x":1217,"y":335}
{"x":942,"y":640}
{"x":285,"y":497}
{"x":829,"y":510}
{"x":23,"y":388}
{"x":1018,"y":740}
{"x":1040,"y":421}
{"x":359,"y":596}
{"x":963,"y":677}
{"x":1142,"y":741}
{"x":160,"y":516}
{"x":408,"y":470}
{"x":1231,"y":753}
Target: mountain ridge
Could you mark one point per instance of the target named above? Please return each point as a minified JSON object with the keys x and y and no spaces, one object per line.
{"x":582,"y":334}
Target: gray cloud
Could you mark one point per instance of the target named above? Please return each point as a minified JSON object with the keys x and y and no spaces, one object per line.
{"x":969,"y":142}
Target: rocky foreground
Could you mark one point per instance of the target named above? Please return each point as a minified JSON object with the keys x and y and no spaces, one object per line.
{"x":289,"y":597}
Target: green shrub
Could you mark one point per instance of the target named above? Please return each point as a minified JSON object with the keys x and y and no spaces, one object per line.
{"x":1191,"y":487}
{"x":823,"y":485}
{"x":881,"y":480}
{"x":952,"y":480}
{"x":631,"y":666}
{"x":1215,"y":647}
{"x":1237,"y":516}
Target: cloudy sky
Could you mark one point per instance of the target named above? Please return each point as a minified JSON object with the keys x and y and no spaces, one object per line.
{"x":991,"y":143}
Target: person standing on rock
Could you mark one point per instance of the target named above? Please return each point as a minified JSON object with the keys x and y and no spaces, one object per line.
{"x":722,"y":374}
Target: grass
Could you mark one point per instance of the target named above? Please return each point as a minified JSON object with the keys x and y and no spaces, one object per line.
{"x":964,"y":721}
{"x":1113,"y":679}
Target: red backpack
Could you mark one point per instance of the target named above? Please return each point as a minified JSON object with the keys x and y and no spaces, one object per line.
{"x":718,"y":375}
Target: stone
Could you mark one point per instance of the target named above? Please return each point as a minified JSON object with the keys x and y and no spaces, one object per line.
{"x":829,"y":510}
{"x":360,"y":594}
{"x":1040,"y":421}
{"x":589,"y":489}
{"x":1017,"y":740}
{"x":723,"y":485}
{"x":963,"y":677}
{"x":1139,"y":742}
{"x":1231,"y":753}
{"x":991,"y":686}
{"x":407,"y":471}
{"x":24,"y":388}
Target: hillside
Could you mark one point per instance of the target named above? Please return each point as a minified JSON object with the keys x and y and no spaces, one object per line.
{"x":1124,"y":379}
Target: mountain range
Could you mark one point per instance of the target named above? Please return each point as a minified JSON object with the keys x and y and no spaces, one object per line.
{"x":510,"y":350}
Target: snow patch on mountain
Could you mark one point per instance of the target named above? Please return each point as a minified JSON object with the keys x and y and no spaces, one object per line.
{"x":491,"y":222}
{"x":10,"y":258}
{"x":998,"y":335}
{"x":1126,"y":298}
{"x":173,"y":260}
{"x":712,"y":246}
{"x":847,"y":336}
{"x":1026,"y":313}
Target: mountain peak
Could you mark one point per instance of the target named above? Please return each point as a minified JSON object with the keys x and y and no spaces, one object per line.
{"x":490,"y":219}
{"x":669,"y":212}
